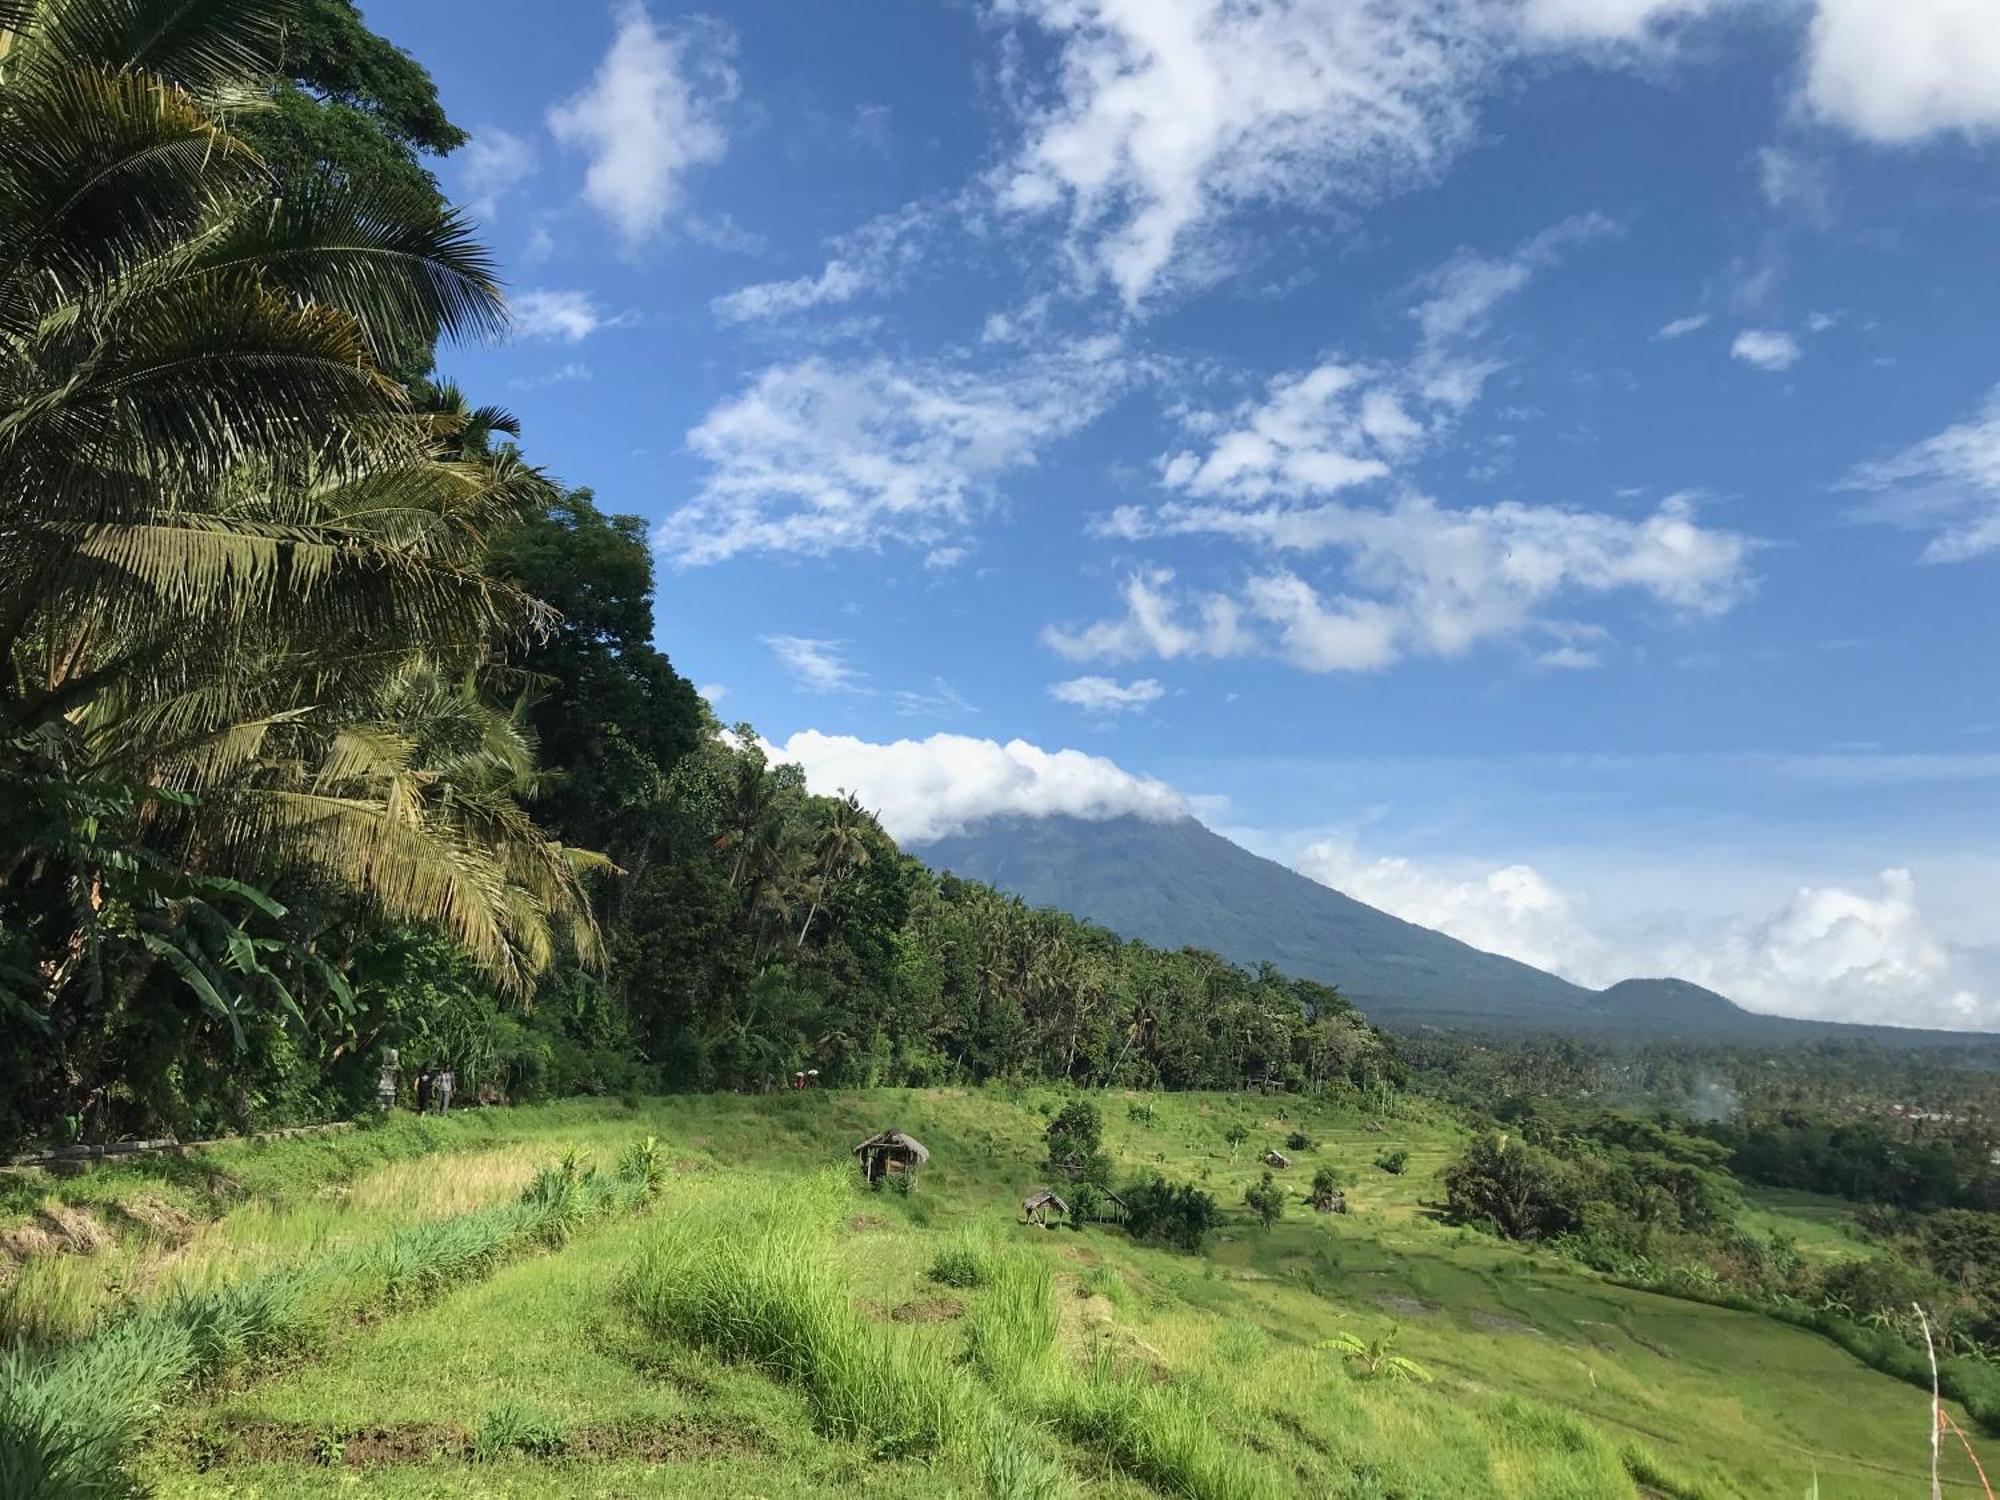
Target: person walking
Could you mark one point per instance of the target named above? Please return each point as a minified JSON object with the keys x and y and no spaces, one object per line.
{"x":441,"y":1087}
{"x":423,"y":1090}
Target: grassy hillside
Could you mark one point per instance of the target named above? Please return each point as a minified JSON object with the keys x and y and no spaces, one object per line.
{"x":763,"y":1326}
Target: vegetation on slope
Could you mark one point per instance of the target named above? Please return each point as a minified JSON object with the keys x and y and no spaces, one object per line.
{"x":666,"y":1355}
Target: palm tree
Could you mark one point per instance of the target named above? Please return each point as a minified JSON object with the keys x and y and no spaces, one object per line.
{"x":842,"y":847}
{"x":239,"y":571}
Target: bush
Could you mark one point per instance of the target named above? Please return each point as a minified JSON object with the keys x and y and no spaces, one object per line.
{"x":1325,"y":1183}
{"x":1393,"y":1162}
{"x":1298,"y":1140}
{"x":961,"y":1265}
{"x":1167,"y":1213}
{"x":1266,"y":1200}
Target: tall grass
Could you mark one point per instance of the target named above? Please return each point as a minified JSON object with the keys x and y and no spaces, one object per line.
{"x":762,"y":1292}
{"x":70,"y":1417}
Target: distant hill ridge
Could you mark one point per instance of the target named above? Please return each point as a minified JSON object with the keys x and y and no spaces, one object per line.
{"x":1180,"y":884}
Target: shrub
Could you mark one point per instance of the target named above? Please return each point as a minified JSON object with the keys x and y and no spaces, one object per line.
{"x":960,"y":1265}
{"x":1139,"y":1114}
{"x":1176,"y":1214}
{"x":1298,"y":1140}
{"x":1266,"y":1200}
{"x":645,"y":1162}
{"x":1325,"y":1183}
{"x":1393,"y":1162}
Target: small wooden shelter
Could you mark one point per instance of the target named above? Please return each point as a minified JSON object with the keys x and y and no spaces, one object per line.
{"x":1330,"y":1203}
{"x":890,"y":1153}
{"x":1036,"y":1208}
{"x":1277,"y":1159}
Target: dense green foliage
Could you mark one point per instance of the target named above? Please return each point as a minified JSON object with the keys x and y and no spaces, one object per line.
{"x":1947,"y":1165}
{"x":328,"y":725}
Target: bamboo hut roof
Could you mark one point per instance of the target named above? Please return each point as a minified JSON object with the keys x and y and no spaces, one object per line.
{"x":1043,"y":1199}
{"x":895,"y":1140}
{"x":1277,"y":1159}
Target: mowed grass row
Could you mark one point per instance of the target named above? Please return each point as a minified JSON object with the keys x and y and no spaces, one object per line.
{"x":1164,"y":1374}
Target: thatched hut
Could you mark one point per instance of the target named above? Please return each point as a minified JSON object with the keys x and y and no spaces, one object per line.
{"x":890,"y":1154}
{"x":1037,"y":1207}
{"x":1277,"y":1159}
{"x":1331,"y":1203}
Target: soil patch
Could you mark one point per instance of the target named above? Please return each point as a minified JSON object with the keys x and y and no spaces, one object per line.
{"x":1395,"y":1302}
{"x":928,"y":1310}
{"x":674,"y":1438}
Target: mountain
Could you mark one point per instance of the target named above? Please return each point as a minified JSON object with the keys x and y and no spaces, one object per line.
{"x":1180,"y":884}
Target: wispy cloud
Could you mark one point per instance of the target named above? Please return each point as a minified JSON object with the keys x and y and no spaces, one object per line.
{"x":1680,"y":327}
{"x":821,"y":456}
{"x":1948,"y":484}
{"x":490,"y":166}
{"x":1106,"y":695}
{"x":818,"y":666}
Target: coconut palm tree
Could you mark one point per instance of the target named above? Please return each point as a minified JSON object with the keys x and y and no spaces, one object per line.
{"x":241,"y":582}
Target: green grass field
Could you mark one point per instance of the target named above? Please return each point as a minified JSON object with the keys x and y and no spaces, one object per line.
{"x":765,"y":1327}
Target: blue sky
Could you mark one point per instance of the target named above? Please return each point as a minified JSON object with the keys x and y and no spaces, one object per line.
{"x":1534,"y":464}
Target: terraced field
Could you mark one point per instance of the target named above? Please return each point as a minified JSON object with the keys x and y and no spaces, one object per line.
{"x":729,"y":1314}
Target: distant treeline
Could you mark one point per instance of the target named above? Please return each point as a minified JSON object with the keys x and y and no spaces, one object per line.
{"x":1949,"y":1164}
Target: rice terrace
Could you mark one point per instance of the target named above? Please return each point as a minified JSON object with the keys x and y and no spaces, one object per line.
{"x":699,"y":1296}
{"x":1170,"y":749}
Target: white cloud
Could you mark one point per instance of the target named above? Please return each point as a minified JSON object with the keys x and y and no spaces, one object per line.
{"x":1766,"y":348}
{"x":1343,"y":424}
{"x":1569,"y":659}
{"x":490,"y":166}
{"x":926,"y":789}
{"x":1465,"y":291}
{"x":818,"y":456}
{"x":1796,"y":183}
{"x":1682,"y":326}
{"x":1841,"y":955}
{"x":1168,"y":114}
{"x":873,"y":258}
{"x":1156,"y":623}
{"x":568,"y":373}
{"x":550,"y":314}
{"x":941,"y":698}
{"x":652,"y":113}
{"x":1106,"y":695}
{"x":1608,"y":20}
{"x":1829,"y":952}
{"x":1301,"y":439}
{"x":714,"y":692}
{"x":1949,"y":483}
{"x":1895,"y":71}
{"x":819,"y":666}
{"x":769,"y":299}
{"x":1425,"y":579}
{"x":1514,"y":910}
